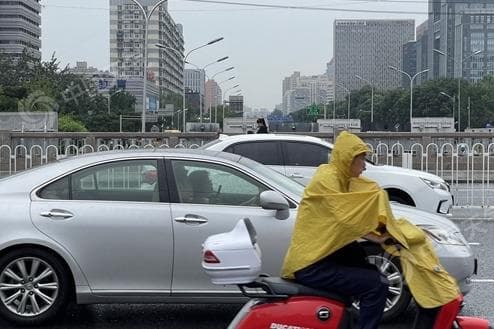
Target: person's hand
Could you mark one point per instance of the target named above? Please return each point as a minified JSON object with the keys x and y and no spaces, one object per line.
{"x":377,"y":238}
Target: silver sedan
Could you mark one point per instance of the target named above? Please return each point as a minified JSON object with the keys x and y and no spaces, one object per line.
{"x":127,"y":226}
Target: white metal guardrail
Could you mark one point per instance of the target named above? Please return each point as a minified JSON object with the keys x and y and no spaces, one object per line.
{"x":468,"y":169}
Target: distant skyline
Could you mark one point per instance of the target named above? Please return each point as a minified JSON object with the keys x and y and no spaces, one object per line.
{"x":264,"y":44}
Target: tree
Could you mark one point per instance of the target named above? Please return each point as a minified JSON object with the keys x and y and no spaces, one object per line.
{"x":31,"y":85}
{"x":69,"y":124}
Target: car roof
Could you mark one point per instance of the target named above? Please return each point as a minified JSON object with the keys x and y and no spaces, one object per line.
{"x":263,"y":137}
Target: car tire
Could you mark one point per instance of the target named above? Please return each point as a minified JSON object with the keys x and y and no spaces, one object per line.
{"x":399,"y":295}
{"x":34,"y":286}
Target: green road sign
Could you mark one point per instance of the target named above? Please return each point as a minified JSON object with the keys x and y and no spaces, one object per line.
{"x":313,"y":110}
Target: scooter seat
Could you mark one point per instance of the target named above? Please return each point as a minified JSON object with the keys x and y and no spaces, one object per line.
{"x":281,"y":286}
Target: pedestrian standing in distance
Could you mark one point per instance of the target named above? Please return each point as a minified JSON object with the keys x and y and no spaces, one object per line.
{"x":262,"y":127}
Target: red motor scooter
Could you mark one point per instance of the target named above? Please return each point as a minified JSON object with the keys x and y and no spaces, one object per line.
{"x":235,"y":258}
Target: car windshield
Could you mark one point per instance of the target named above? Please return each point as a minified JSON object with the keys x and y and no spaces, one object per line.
{"x":275,"y":177}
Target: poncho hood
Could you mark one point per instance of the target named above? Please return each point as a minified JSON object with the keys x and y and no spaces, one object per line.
{"x":347,"y":146}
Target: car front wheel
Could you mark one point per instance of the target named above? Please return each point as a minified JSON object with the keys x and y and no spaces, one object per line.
{"x":398,"y":294}
{"x":33,"y":286}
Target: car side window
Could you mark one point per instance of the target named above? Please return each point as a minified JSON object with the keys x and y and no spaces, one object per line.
{"x":305,"y":154}
{"x":265,"y":152}
{"x":58,"y":190}
{"x":208,"y":183}
{"x":132,"y":180}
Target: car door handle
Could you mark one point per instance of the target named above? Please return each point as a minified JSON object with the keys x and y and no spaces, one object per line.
{"x":296,"y":175}
{"x":57,"y":214}
{"x":190,"y":220}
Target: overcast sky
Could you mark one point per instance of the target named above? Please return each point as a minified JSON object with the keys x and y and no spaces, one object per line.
{"x":264,"y":44}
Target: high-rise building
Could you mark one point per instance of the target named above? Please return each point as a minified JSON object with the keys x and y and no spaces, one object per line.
{"x":409,"y":62}
{"x":20,"y":27}
{"x":296,"y":99}
{"x":301,"y":91}
{"x":367,"y":48}
{"x":127,"y":30}
{"x":461,"y":39}
{"x":194,"y":83}
{"x":195,"y":80}
{"x":236,"y":104}
{"x":212,"y":95}
{"x":422,"y":50}
{"x":330,"y":69}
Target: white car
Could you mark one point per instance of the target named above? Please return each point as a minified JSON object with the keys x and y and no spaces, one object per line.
{"x":298,"y":157}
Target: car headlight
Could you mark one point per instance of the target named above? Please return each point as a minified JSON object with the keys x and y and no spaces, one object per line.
{"x":435,"y":184}
{"x":442,"y":236}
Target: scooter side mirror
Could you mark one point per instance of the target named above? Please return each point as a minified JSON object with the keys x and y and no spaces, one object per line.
{"x":275,"y":201}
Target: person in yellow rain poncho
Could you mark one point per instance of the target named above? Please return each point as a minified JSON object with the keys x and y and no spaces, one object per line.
{"x":337,"y":209}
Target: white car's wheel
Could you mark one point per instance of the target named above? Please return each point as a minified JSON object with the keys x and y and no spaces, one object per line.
{"x":398,"y":294}
{"x":33,"y":286}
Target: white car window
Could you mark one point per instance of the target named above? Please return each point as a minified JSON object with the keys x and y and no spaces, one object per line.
{"x":207,"y":183}
{"x":265,"y":152}
{"x":305,"y":154}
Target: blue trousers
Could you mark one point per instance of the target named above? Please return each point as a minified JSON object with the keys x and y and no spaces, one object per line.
{"x":365,"y":283}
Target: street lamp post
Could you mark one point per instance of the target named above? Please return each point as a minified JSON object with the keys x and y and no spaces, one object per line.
{"x":216,"y":107}
{"x":224,"y":95}
{"x":459,"y":75}
{"x":184,"y":61}
{"x":372,"y":100}
{"x":348,"y":103}
{"x":215,"y":90}
{"x":453,"y":99}
{"x":412,"y":78}
{"x":201,"y":70}
{"x":147,"y":17}
{"x":110,"y":95}
{"x":223,"y":111}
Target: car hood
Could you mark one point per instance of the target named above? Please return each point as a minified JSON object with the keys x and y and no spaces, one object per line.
{"x":420,"y":217}
{"x":404,"y":171}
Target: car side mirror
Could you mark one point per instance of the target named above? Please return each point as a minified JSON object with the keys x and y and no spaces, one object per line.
{"x":275,"y":201}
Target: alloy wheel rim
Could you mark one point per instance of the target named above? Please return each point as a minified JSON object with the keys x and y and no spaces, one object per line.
{"x":28,"y":286}
{"x":393,"y":274}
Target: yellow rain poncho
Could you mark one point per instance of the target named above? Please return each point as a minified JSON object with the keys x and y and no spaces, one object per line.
{"x":337,"y":209}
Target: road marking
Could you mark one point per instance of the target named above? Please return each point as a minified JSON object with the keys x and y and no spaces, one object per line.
{"x":483,"y":280}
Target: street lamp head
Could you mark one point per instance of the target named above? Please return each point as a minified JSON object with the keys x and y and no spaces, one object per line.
{"x":230,"y":78}
{"x":222,"y":59}
{"x":215,"y":40}
{"x":235,"y":86}
{"x":393,"y":67}
{"x":439,"y":52}
{"x":477,"y":52}
{"x":444,"y":94}
{"x":229,"y":69}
